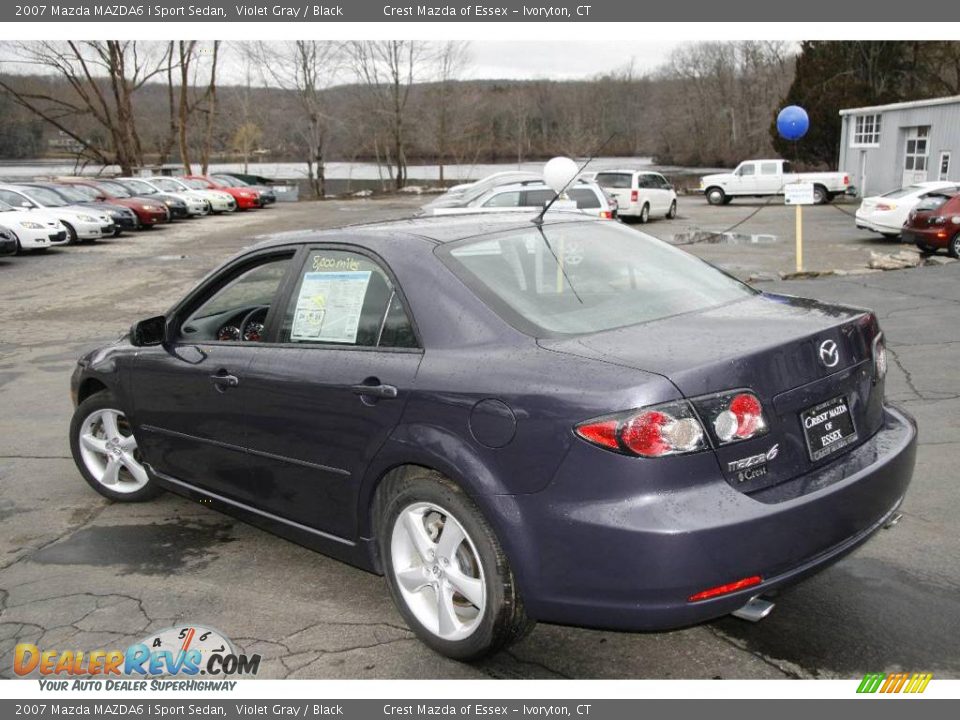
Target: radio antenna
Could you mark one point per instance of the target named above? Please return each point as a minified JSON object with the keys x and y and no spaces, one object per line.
{"x":538,"y":220}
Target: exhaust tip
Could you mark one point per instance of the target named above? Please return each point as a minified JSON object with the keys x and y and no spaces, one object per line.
{"x":894,"y":519}
{"x":755,"y":609}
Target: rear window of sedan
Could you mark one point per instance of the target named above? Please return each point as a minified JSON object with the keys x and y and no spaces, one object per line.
{"x":581,"y":278}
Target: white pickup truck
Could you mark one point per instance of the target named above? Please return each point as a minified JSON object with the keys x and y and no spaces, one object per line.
{"x":760,"y":178}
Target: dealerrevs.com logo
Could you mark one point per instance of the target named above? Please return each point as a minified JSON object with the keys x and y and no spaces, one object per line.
{"x":178,"y":652}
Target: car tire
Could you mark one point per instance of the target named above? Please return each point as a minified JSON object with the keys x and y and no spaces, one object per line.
{"x":72,"y":238}
{"x":716,"y":196}
{"x":105,"y":451}
{"x":430,"y":578}
{"x":953,"y":249}
{"x":644,"y":217}
{"x":672,"y":212}
{"x":820,"y":195}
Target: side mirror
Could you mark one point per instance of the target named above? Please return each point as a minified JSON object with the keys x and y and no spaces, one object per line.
{"x":152,"y":331}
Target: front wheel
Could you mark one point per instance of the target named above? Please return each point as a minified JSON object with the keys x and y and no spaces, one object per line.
{"x":72,"y":238}
{"x":953,"y":249}
{"x":106,"y":452}
{"x":672,"y":212}
{"x":716,"y":196}
{"x":445,"y":568}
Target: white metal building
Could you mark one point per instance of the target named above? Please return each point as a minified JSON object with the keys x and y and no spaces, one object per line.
{"x":889,"y":146}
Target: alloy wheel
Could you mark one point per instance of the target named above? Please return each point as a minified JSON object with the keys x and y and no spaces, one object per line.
{"x":438,"y":571}
{"x":109,"y":451}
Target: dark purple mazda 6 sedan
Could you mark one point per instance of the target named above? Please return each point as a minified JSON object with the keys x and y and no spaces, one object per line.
{"x":569,"y":422}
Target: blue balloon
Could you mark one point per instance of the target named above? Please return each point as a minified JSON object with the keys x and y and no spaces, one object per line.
{"x":793,"y":122}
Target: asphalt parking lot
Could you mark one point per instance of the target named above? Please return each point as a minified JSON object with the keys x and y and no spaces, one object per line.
{"x":77,"y":572}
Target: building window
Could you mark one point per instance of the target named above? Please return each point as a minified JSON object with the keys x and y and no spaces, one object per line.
{"x":866,"y":131}
{"x":944,"y":165}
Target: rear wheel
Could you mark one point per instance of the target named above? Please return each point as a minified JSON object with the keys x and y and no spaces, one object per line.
{"x":716,"y":196}
{"x":672,"y":212}
{"x":106,"y":453}
{"x":445,"y":568}
{"x":820,"y":195}
{"x":953,"y":249}
{"x":644,"y":216}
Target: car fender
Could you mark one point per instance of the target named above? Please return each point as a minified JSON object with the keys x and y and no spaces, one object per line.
{"x":438,"y":449}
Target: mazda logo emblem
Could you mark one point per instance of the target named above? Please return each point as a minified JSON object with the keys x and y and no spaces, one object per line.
{"x":829,"y":354}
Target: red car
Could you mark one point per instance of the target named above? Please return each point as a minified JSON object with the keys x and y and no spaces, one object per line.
{"x":149,"y":212}
{"x":246,"y":197}
{"x":935,"y":223}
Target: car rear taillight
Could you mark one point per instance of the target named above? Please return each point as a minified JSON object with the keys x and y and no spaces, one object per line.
{"x":669,"y":429}
{"x":846,"y":179}
{"x":634,"y":196}
{"x":879,"y":358}
{"x":733,"y":416}
{"x":606,"y":215}
{"x":886,"y":206}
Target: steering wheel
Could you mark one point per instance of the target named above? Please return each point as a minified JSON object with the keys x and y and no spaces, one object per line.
{"x":246,"y":321}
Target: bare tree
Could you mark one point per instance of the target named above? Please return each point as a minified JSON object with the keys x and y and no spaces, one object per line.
{"x":307,"y":68}
{"x":450,"y":60}
{"x":389,"y":69}
{"x":103,"y":77}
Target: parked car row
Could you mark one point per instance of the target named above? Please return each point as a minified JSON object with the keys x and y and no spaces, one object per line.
{"x":41,"y":213}
{"x":925,"y":213}
{"x":626,"y":194}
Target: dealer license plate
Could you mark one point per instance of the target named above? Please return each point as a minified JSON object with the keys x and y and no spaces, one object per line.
{"x":828,"y":428}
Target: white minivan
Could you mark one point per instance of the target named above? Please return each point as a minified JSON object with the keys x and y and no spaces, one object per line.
{"x":640,"y":194}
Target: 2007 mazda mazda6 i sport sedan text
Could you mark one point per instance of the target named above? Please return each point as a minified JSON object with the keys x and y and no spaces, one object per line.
{"x":569,"y":422}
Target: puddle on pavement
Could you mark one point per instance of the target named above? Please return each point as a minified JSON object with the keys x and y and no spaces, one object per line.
{"x":141,"y":549}
{"x":702,"y":237}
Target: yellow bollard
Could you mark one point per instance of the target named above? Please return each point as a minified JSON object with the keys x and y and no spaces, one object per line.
{"x":799,"y":210}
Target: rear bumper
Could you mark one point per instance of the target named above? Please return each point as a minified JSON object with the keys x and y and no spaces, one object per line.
{"x":865,"y":222}
{"x":631,"y":561}
{"x":938,"y":237}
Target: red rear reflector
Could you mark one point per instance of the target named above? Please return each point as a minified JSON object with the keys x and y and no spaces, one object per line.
{"x":634,"y":196}
{"x":603,"y":433}
{"x":725,"y":589}
{"x":846,"y":179}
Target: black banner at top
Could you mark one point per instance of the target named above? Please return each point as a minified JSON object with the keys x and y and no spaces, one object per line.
{"x":487,"y":11}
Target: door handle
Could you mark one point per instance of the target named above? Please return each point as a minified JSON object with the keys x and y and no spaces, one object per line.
{"x":387,"y":392}
{"x":223,"y":380}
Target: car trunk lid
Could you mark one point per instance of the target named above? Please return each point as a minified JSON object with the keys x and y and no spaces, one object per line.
{"x":794,"y":354}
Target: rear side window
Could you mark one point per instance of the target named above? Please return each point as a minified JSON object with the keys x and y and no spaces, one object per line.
{"x":538,"y":198}
{"x":585,"y":198}
{"x":504,"y":199}
{"x":614,"y":180}
{"x":345,"y":298}
{"x":768,"y":168}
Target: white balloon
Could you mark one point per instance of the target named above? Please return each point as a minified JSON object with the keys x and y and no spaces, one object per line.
{"x":559,"y":172}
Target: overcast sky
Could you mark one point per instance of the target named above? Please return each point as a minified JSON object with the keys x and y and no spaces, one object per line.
{"x":563,"y":60}
{"x":516,"y":59}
